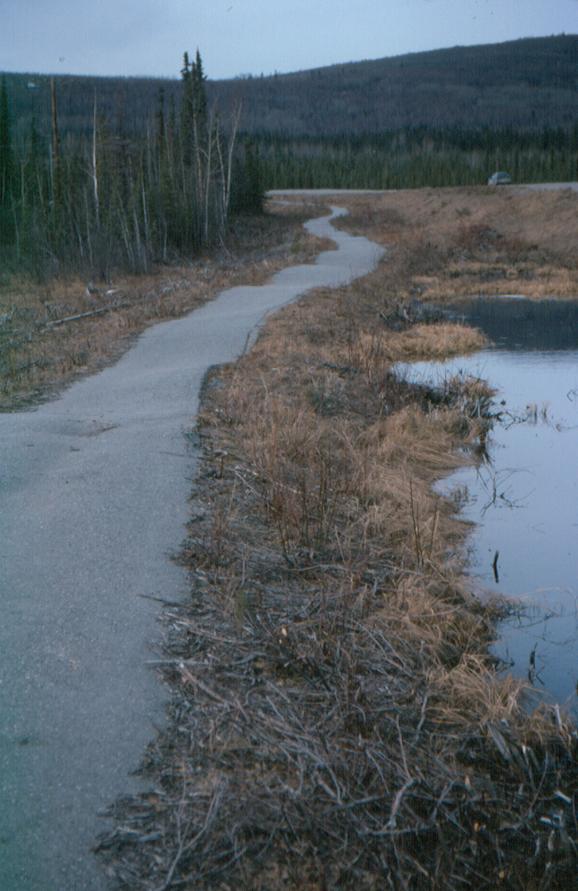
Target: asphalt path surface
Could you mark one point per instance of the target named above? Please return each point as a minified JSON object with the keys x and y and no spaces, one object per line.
{"x":318,"y":193}
{"x":94,"y":491}
{"x":550,"y":187}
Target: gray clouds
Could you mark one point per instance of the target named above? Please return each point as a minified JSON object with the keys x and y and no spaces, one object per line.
{"x":249,"y":36}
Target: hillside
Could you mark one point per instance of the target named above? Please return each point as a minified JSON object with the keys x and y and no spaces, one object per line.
{"x":527,"y":84}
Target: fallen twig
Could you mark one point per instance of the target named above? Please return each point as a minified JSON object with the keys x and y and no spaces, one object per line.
{"x":86,"y":315}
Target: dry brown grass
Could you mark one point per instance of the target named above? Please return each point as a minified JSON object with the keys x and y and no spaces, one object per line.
{"x":477,"y":241}
{"x":434,"y":342}
{"x":36,"y":357}
{"x":337,"y":720}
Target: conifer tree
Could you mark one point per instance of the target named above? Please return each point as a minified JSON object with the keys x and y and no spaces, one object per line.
{"x":199,"y":92}
{"x":187,"y":111}
{"x":161,"y":127}
{"x":6,"y":152}
{"x":56,"y":169}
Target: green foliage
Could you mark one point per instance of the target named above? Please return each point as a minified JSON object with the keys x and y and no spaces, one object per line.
{"x":6,"y":152}
{"x":200,"y":105}
{"x":6,"y":168}
{"x":248,"y":191}
{"x":416,"y":157}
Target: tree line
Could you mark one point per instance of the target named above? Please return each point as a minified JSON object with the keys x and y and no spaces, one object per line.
{"x":105,"y":199}
{"x":526,"y":84}
{"x":417,"y":157}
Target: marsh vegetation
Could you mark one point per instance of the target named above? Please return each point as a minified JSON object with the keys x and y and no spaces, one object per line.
{"x":338,"y":720}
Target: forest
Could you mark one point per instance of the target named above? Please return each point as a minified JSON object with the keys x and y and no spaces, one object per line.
{"x":100,"y":198}
{"x":417,"y":157}
{"x":524,"y":84}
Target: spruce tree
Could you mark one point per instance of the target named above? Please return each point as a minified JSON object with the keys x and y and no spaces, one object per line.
{"x":161,"y":133}
{"x":199,"y":92}
{"x":187,"y":111}
{"x":56,"y":168}
{"x":6,"y":152}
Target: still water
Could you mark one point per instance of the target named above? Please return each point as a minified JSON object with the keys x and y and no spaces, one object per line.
{"x":524,"y":499}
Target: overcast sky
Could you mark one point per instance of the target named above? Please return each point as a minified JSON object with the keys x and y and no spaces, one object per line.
{"x":131,"y":37}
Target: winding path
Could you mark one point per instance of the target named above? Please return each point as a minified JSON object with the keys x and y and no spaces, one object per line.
{"x":93,"y":498}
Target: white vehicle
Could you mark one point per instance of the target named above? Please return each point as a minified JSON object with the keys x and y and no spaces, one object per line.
{"x":500,"y":179}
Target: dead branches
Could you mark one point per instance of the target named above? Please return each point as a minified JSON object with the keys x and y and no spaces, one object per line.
{"x":337,"y":722}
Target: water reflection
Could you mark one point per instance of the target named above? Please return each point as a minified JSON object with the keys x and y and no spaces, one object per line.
{"x":514,"y":323}
{"x":525,"y":500}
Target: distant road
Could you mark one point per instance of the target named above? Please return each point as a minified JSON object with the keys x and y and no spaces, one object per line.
{"x":549,"y":187}
{"x":321,"y":193}
{"x":279,"y":193}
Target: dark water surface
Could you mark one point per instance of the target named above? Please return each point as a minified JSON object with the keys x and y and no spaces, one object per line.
{"x":524,"y":500}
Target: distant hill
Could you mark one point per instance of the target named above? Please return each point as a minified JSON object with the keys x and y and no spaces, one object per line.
{"x":526,"y":84}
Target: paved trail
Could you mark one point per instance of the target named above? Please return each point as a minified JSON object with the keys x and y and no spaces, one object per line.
{"x":93,"y":498}
{"x":319,"y":193}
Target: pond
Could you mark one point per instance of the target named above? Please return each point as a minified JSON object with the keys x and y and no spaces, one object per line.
{"x":524,"y":498}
